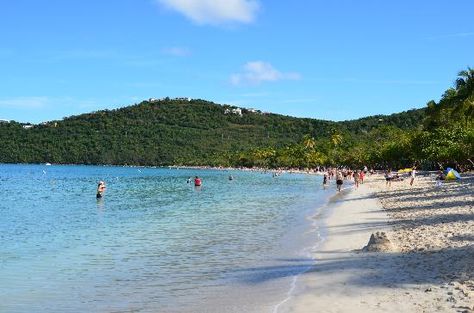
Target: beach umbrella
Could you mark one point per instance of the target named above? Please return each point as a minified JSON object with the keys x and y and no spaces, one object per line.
{"x":452,"y":174}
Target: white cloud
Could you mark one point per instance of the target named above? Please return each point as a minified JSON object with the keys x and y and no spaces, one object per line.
{"x":215,"y":12}
{"x":177,"y":51}
{"x":256,"y":72}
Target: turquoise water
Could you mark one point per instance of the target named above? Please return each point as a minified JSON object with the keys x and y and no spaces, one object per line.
{"x":154,"y":243}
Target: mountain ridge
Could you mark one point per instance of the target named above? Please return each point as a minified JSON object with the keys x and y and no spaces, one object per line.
{"x":171,"y":131}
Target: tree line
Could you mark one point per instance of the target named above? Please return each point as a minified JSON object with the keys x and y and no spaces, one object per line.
{"x":199,"y":132}
{"x":441,"y":135}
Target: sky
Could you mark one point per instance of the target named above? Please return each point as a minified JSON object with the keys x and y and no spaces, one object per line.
{"x":332,"y":60}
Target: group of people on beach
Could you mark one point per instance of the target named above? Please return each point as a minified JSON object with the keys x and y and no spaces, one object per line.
{"x":344,"y":174}
{"x":389,"y":177}
{"x":358,"y":176}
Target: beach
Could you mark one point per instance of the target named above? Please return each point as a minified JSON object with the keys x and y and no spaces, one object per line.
{"x":427,"y":264}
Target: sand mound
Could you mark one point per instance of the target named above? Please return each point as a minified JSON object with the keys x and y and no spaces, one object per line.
{"x":378,"y":242}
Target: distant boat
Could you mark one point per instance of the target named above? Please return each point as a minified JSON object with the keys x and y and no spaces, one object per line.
{"x":47,"y":163}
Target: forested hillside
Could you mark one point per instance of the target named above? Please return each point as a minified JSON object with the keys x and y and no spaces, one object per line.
{"x":165,"y":132}
{"x":438,"y":136}
{"x":198,"y":132}
{"x":405,"y":120}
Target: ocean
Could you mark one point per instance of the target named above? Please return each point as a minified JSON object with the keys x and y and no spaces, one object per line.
{"x":153,"y":243}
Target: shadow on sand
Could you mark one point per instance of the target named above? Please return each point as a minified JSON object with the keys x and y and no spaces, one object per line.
{"x":417,"y":267}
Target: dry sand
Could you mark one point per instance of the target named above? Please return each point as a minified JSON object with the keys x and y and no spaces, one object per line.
{"x":430,"y":265}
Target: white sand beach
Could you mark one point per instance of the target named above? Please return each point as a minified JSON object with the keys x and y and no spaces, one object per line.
{"x":430,"y":263}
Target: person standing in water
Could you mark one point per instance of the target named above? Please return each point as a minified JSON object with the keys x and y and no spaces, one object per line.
{"x":197,"y":181}
{"x":100,"y":189}
{"x":325,"y":180}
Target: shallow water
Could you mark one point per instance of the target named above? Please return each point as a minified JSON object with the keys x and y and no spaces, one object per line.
{"x":154,"y":243}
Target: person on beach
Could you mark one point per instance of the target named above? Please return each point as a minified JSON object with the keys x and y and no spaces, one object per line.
{"x":197,"y":181}
{"x":440,"y":175}
{"x":339,"y":180}
{"x":100,"y":189}
{"x":356,"y":178}
{"x":361,"y":177}
{"x":439,"y":178}
{"x":325,"y":180}
{"x":388,"y":178}
{"x":412,"y":176}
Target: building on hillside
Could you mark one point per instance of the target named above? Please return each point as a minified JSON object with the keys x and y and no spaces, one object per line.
{"x":50,"y":124}
{"x":27,"y":126}
{"x":183,"y":99}
{"x":236,"y":111}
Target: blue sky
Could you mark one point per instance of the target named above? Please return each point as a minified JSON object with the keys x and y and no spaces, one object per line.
{"x":323,"y":59}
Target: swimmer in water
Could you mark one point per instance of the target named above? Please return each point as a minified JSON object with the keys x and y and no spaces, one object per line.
{"x":100,"y":189}
{"x":197,"y":181}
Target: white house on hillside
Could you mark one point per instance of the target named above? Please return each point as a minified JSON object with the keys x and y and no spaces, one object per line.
{"x":236,"y":111}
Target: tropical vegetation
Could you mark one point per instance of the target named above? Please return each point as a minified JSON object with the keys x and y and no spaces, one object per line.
{"x":198,"y":132}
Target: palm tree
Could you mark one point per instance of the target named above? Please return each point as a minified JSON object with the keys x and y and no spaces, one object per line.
{"x":336,"y":138}
{"x":465,"y":83}
{"x":309,"y":142}
{"x":467,"y":108}
{"x":465,"y":95}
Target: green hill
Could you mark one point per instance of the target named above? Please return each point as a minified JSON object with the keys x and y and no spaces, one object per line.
{"x":198,"y":132}
{"x":410,"y":119}
{"x":165,"y":132}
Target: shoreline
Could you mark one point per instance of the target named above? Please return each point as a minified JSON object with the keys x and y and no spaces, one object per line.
{"x":327,"y":286}
{"x":344,"y":279}
{"x":184,"y":167}
{"x":316,"y":224}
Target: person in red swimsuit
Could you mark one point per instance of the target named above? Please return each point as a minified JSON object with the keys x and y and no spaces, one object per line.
{"x":197,"y":181}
